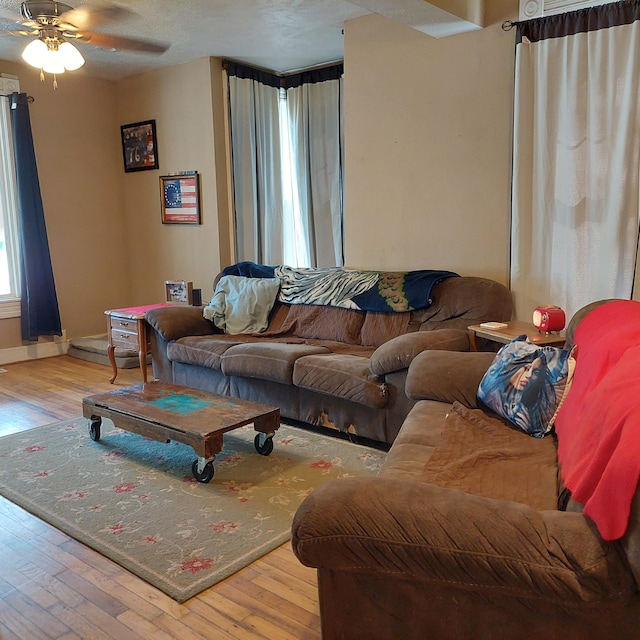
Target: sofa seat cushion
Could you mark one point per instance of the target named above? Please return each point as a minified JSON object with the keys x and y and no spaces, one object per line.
{"x":420,"y":434}
{"x":484,"y":456}
{"x":266,"y":360}
{"x":342,"y":376}
{"x":203,"y":351}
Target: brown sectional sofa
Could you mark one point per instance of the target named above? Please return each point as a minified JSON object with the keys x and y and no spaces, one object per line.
{"x":325,"y":366}
{"x":467,"y":532}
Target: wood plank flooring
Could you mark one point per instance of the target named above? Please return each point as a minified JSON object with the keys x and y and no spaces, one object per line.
{"x":54,"y":587}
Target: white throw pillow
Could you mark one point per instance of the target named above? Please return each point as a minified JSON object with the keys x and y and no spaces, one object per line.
{"x":242,"y":305}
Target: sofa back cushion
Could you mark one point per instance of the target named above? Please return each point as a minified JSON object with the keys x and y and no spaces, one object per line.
{"x":459,"y":302}
{"x":318,"y":323}
{"x":379,"y":327}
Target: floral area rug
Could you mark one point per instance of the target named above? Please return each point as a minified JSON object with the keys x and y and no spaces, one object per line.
{"x":135,"y":501}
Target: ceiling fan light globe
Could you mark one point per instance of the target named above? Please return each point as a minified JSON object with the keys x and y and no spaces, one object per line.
{"x":53,"y":63}
{"x":72,"y":58}
{"x":34,"y":53}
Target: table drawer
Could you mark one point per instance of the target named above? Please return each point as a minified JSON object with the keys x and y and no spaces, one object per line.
{"x":124,"y":339}
{"x":123,"y":324}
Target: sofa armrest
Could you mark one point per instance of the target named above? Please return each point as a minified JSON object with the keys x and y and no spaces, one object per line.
{"x":441,"y":536}
{"x":396,"y":354}
{"x":179,"y":321}
{"x":447,"y":376}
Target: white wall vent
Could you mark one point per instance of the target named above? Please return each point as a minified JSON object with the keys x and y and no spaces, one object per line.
{"x":537,"y":8}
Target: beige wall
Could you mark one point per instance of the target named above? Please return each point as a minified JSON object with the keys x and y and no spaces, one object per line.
{"x":79,"y":163}
{"x":181,"y":99}
{"x":109,"y":248}
{"x":428,"y":147}
{"x":428,"y":135}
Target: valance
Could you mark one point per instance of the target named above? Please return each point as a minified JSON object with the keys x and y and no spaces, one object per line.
{"x":285,"y":81}
{"x":581,"y":21}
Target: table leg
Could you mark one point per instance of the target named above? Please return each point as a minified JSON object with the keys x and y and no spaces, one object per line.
{"x":110,"y":352}
{"x":142,"y":347}
{"x":268,"y":424}
{"x":473,"y":345}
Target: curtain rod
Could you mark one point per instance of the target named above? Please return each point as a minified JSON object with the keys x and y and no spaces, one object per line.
{"x":30,"y":99}
{"x":507,"y":25}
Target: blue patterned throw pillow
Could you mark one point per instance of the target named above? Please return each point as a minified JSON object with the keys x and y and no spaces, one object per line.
{"x":526,"y":384}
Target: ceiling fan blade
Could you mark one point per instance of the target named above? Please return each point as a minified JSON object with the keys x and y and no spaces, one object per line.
{"x":13,"y":32}
{"x":118,"y":42}
{"x":22,"y":32}
{"x":6,"y":15}
{"x":90,"y":17}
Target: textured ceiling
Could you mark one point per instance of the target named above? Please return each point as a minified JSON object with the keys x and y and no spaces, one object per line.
{"x":279,"y":35}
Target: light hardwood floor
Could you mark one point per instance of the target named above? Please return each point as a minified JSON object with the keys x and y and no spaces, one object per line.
{"x":54,"y":587}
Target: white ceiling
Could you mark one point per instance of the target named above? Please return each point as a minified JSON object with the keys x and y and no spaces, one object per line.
{"x":279,"y":35}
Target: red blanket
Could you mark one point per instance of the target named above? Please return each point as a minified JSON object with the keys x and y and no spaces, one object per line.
{"x":598,"y":426}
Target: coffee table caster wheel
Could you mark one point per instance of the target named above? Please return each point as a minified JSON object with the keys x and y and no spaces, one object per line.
{"x":94,"y":428}
{"x":263,"y":444}
{"x":207,"y":472}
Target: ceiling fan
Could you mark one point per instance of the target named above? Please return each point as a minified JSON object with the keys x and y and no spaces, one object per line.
{"x":54,"y":25}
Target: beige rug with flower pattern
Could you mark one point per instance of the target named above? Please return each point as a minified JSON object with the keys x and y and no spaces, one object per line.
{"x":135,"y":501}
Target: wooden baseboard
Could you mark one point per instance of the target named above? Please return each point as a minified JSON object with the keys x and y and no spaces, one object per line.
{"x":41,"y":349}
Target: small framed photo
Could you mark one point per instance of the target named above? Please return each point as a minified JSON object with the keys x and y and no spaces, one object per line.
{"x":180,"y":198}
{"x":139,"y":146}
{"x":178,"y":291}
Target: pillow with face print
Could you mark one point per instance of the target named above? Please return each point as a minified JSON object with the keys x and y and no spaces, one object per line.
{"x":527,"y":383}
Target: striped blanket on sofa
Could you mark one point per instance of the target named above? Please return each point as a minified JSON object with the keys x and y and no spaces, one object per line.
{"x":387,"y":291}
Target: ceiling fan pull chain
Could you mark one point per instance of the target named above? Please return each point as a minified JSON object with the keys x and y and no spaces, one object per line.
{"x":55,"y":83}
{"x":41,"y":75}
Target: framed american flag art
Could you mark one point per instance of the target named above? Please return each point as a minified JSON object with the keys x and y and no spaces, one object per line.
{"x":180,"y":198}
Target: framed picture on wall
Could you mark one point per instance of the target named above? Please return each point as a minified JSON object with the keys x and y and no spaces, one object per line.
{"x":139,"y":146}
{"x":180,"y":198}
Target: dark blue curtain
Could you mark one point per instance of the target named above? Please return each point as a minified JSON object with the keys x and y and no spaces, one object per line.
{"x":39,"y":302}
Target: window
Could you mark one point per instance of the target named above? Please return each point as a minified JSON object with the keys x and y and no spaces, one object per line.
{"x":9,"y":271}
{"x":286,"y":143}
{"x":295,"y":245}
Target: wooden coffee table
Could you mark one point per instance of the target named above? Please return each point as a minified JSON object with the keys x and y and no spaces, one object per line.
{"x":165,"y":412}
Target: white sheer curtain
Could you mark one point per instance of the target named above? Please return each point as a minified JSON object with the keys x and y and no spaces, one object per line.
{"x":287,"y":166}
{"x":316,"y":141}
{"x":257,"y":163}
{"x":575,"y":217}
